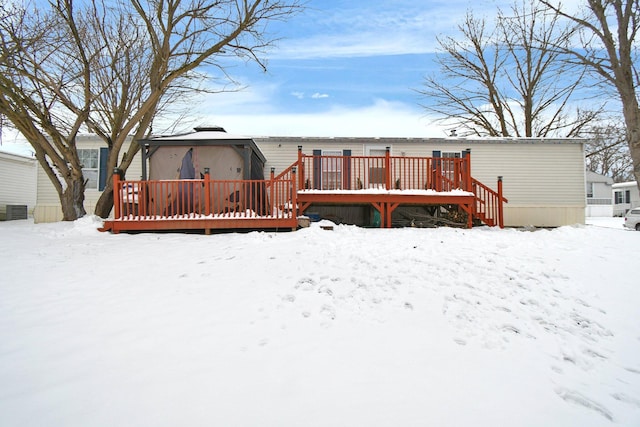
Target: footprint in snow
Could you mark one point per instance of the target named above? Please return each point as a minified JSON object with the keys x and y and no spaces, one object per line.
{"x":621,"y":397}
{"x":306,"y":284}
{"x":328,"y":312}
{"x":289,"y":298}
{"x":460,"y":341}
{"x":576,"y":398}
{"x":324,"y":289}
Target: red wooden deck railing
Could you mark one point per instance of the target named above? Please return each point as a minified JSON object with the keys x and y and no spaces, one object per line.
{"x":489,"y":203}
{"x":206,"y":199}
{"x":321,"y":172}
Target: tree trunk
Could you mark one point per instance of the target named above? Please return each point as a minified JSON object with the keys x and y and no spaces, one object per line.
{"x":631,"y":113}
{"x":72,"y":199}
{"x":633,"y":137}
{"x":105,"y":202}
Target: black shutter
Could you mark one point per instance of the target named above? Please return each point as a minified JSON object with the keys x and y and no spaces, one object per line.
{"x":346,"y":170}
{"x":102,"y":173}
{"x":317,"y":169}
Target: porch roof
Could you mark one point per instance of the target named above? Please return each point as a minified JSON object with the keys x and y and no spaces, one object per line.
{"x":204,"y":136}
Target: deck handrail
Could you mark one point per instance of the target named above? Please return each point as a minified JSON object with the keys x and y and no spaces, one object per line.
{"x":489,"y":203}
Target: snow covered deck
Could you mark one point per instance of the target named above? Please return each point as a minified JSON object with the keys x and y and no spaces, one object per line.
{"x":383,"y":182}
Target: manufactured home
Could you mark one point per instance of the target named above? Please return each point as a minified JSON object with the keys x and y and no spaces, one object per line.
{"x":599,"y":202}
{"x":543,"y":180}
{"x":17,"y":186}
{"x":626,"y":196}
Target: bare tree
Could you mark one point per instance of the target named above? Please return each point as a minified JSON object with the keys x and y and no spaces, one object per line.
{"x":607,"y":152}
{"x":111,"y":67}
{"x":607,"y":32}
{"x":504,"y":81}
{"x":36,"y":84}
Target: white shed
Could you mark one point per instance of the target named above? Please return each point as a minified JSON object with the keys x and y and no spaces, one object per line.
{"x":599,"y":202}
{"x":17,"y":185}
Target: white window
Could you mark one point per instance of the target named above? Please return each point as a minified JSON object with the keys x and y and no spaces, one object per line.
{"x":90,"y":161}
{"x":331,"y":169}
{"x":448,"y":165}
{"x":622,"y":197}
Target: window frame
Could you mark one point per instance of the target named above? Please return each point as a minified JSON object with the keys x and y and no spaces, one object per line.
{"x":90,"y":170}
{"x":331,"y":170}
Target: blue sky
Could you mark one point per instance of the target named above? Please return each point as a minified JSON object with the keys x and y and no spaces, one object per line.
{"x":344,"y":68}
{"x":341,"y":68}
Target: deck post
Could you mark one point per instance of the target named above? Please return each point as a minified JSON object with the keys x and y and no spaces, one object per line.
{"x":272,"y":201}
{"x":117,"y":194}
{"x":300,"y":184}
{"x":500,"y":206}
{"x":387,"y":167}
{"x":437,"y":168}
{"x":294,"y":195}
{"x":467,"y":170}
{"x":207,"y":192}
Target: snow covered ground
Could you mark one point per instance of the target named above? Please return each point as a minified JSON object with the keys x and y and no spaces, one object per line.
{"x":349,"y":327}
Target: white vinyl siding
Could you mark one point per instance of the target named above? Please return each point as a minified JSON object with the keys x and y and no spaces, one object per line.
{"x":17,"y":182}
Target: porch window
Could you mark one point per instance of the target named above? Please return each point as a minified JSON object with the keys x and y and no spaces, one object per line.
{"x":377,"y":173}
{"x":448,"y":166}
{"x":90,"y":161}
{"x":331,"y":170}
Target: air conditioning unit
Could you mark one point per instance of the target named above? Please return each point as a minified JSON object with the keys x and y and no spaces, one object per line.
{"x":16,"y":212}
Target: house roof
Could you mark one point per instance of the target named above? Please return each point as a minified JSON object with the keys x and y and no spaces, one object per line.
{"x":399,"y":140}
{"x":596,"y":177}
{"x":628,"y":184}
{"x":17,"y":157}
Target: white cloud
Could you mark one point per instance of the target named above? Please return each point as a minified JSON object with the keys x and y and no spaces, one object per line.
{"x":380,"y":119}
{"x":299,"y":95}
{"x":319,"y":95}
{"x":383,"y":28}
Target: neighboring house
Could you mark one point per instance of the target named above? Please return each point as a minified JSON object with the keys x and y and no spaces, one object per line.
{"x":625,"y":196}
{"x":17,"y":185}
{"x":599,"y":201}
{"x":544,"y":179}
{"x":93,"y":153}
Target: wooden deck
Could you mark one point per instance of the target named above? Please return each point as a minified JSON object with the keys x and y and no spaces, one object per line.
{"x":383,"y":182}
